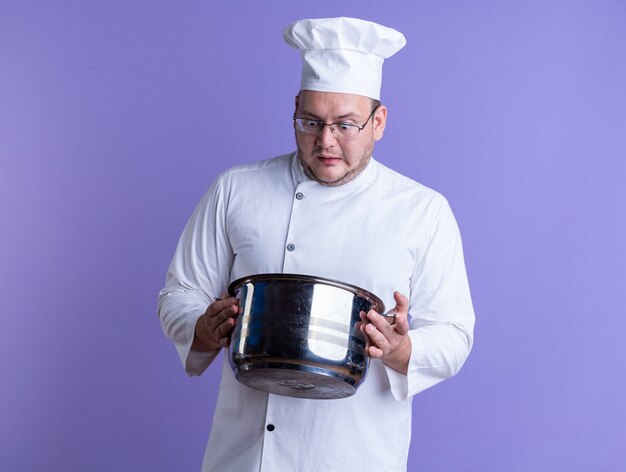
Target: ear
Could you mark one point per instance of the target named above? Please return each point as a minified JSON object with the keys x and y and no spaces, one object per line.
{"x":380,"y":120}
{"x":295,"y":111}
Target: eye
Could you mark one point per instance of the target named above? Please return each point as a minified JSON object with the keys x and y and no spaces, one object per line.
{"x":344,"y":126}
{"x":311,"y":124}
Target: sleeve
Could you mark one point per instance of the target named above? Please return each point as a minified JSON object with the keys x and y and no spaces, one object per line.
{"x":199,"y":273}
{"x":442,"y":315}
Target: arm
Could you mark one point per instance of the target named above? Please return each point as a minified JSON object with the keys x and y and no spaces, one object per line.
{"x":199,"y":272}
{"x":439,"y":338}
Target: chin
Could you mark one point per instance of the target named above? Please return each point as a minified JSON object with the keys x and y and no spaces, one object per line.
{"x":335,"y":181}
{"x":328,"y":179}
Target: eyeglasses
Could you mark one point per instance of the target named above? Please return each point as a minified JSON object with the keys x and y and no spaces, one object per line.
{"x":345,"y":131}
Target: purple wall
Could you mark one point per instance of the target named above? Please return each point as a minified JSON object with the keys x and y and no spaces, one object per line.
{"x":116,"y":116}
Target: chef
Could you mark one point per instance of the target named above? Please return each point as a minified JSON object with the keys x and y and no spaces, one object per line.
{"x":328,"y":209}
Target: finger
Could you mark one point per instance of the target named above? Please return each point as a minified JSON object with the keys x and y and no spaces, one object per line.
{"x":230,"y":312}
{"x":381,"y":323}
{"x":402,"y":303}
{"x":218,"y":306}
{"x":224,"y":328}
{"x":218,"y":325}
{"x":377,"y":338}
{"x":375,"y":352}
{"x":223,"y":332}
{"x":402,"y":309}
{"x":361,"y":325}
{"x":402,"y":325}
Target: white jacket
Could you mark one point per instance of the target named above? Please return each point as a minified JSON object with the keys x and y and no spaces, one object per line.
{"x":382,"y":232}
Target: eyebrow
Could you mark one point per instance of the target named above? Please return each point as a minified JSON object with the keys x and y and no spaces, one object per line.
{"x":345,"y":116}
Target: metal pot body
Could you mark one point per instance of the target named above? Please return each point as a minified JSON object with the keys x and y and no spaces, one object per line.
{"x":299,"y":335}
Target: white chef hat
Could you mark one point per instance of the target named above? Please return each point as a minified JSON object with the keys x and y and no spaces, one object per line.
{"x":343,"y":54}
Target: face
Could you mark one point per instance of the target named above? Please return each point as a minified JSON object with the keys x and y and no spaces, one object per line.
{"x":326,"y":159}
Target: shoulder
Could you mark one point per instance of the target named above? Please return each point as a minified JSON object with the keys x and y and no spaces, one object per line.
{"x":254,"y":180}
{"x":271,"y":167}
{"x":419,"y":205}
{"x":408,"y":189}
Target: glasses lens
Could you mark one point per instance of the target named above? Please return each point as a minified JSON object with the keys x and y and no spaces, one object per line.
{"x":345,"y":131}
{"x":339,"y":130}
{"x":308,"y":126}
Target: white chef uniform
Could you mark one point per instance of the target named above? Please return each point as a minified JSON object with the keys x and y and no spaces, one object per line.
{"x":382,"y":232}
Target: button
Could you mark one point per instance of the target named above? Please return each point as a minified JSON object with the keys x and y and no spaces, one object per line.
{"x":290,"y":247}
{"x":270,"y":427}
{"x":299,"y":195}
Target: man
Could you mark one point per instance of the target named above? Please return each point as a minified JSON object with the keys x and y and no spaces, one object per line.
{"x":328,"y":210}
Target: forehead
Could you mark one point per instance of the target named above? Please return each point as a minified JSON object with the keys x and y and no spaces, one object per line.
{"x":333,"y":105}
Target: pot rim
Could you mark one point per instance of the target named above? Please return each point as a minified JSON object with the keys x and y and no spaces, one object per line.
{"x":377,"y":303}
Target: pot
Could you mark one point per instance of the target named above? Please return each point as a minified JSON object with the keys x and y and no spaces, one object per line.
{"x":299,"y":336}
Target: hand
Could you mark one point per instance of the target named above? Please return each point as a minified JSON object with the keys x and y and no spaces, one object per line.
{"x":215,"y":325}
{"x":388,"y":342}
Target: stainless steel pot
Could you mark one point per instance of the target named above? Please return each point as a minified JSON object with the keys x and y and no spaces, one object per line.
{"x":298,"y":335}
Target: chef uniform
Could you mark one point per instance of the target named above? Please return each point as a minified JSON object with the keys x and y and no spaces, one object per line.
{"x":380,"y":231}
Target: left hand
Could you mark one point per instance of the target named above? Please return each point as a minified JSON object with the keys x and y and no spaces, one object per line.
{"x":387,"y":342}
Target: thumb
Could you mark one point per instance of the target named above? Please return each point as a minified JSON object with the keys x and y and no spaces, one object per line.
{"x":402,"y":311}
{"x":402,"y":303}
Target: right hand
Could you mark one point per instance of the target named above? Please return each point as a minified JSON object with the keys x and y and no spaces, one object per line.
{"x":215,"y":325}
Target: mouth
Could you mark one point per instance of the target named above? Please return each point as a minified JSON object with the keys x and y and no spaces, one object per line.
{"x":328,"y":159}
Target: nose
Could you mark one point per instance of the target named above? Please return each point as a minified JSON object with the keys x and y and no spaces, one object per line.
{"x":326,"y":136}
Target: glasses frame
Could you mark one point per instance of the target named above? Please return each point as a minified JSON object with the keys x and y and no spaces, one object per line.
{"x":323,"y":124}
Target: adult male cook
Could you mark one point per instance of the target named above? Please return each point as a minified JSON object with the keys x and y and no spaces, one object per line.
{"x":329,"y":210}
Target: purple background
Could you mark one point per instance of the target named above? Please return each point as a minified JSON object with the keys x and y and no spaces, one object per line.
{"x":116,"y":116}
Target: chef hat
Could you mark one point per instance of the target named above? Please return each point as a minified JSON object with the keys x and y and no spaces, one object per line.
{"x":343,"y":54}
